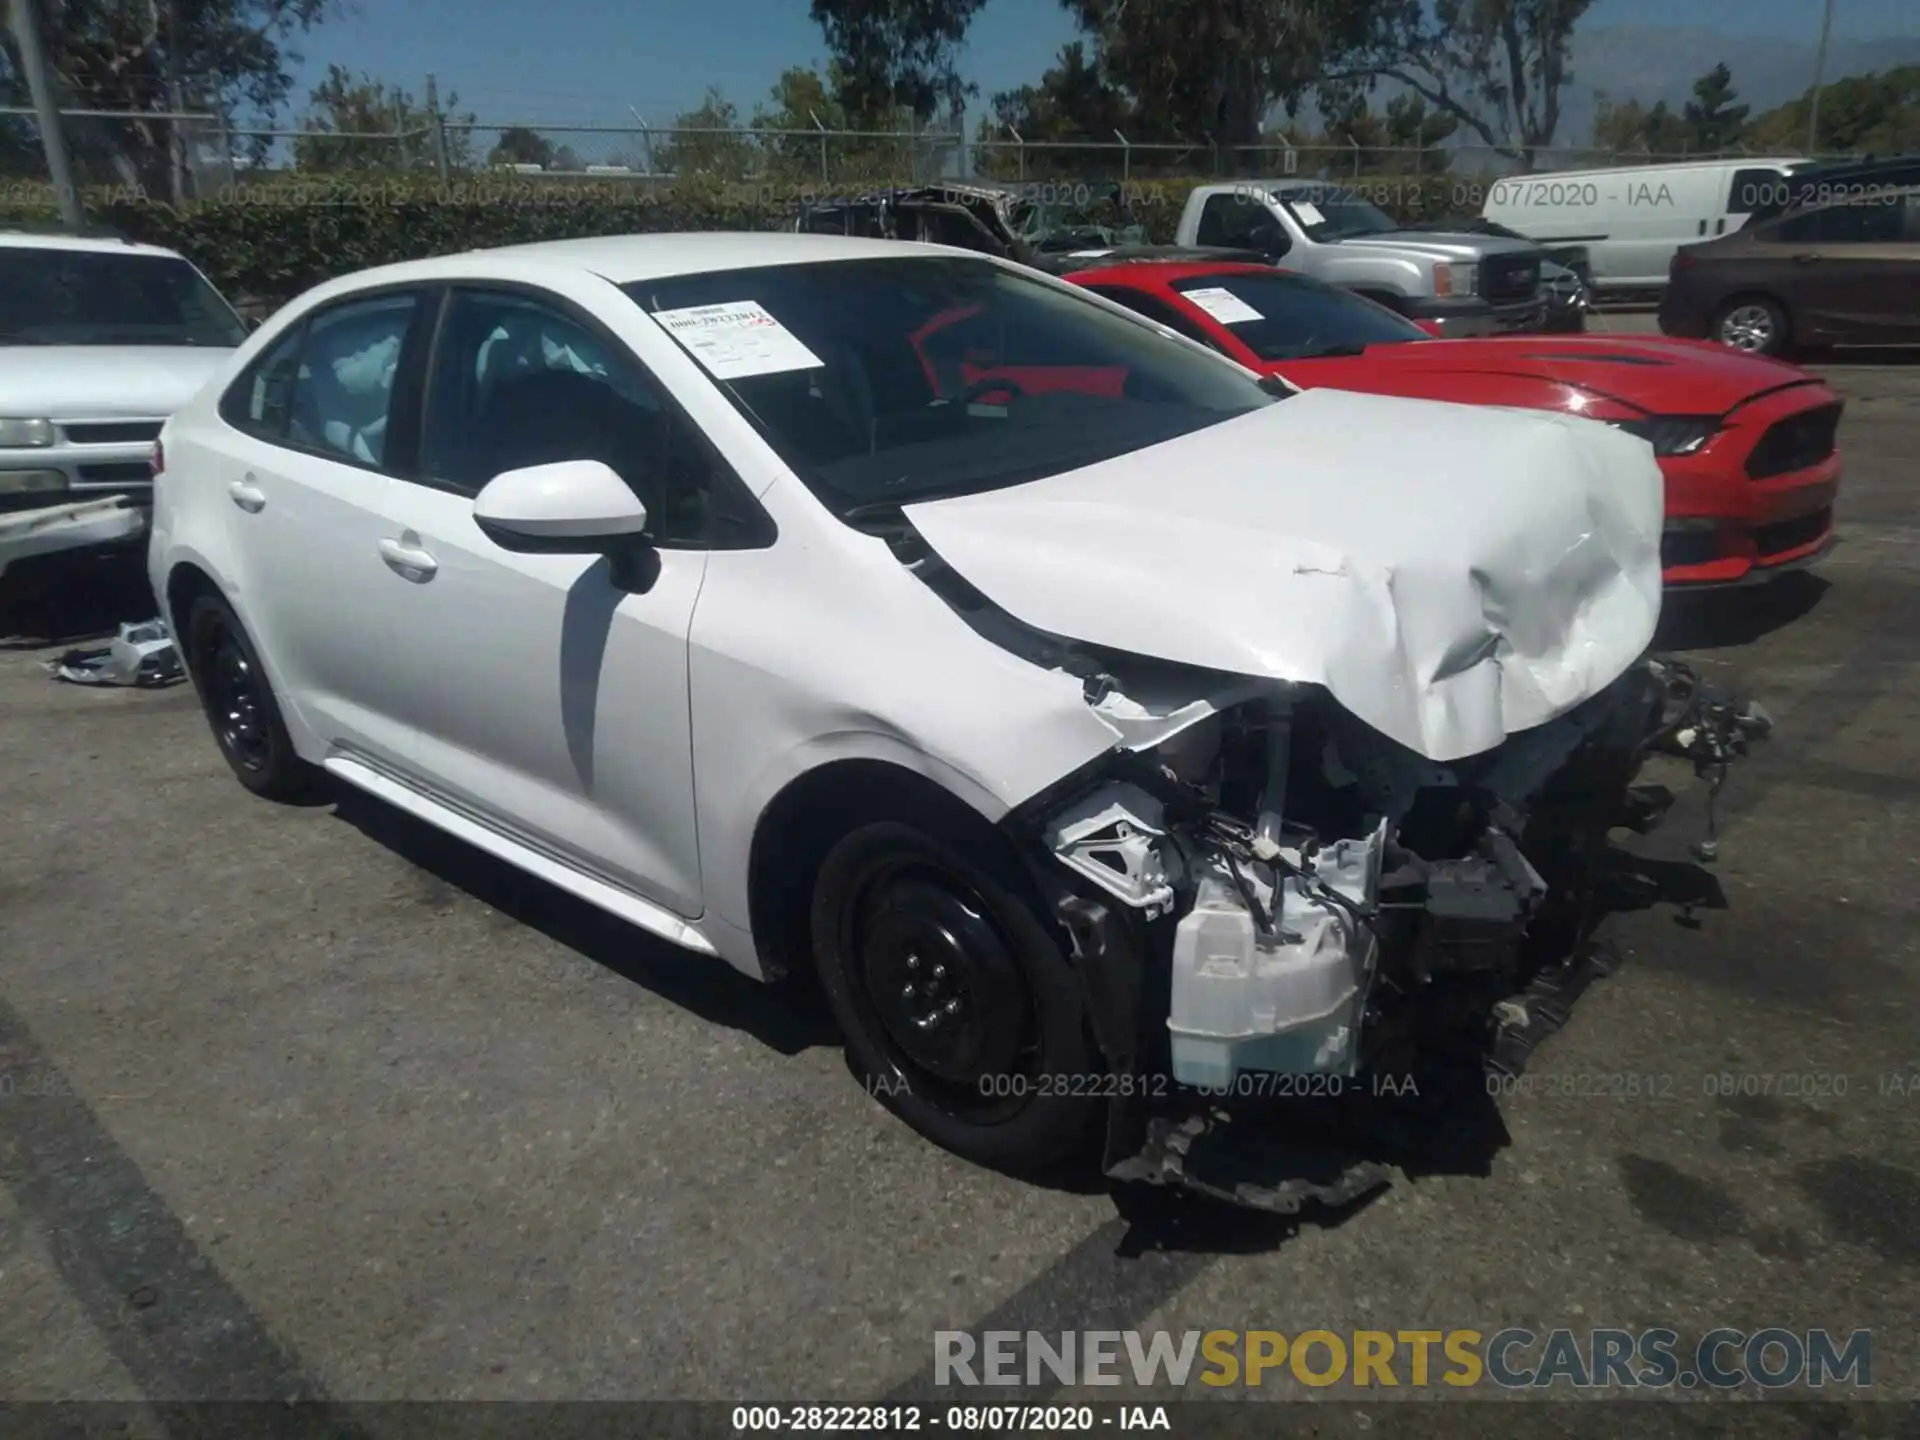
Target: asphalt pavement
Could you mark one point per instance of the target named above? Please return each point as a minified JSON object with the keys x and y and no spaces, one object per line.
{"x":313,"y":1102}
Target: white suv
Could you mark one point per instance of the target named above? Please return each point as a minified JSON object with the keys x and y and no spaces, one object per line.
{"x":1067,"y":699}
{"x":100,"y":341}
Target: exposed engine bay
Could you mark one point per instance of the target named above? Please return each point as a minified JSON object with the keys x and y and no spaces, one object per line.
{"x":1258,"y":883}
{"x":1314,"y":899}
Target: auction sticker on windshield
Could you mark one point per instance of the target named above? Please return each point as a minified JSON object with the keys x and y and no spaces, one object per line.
{"x":1308,"y":212}
{"x":737,"y":339}
{"x":1223,"y":305}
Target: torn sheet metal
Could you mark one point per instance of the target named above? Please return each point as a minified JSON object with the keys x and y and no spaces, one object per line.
{"x":143,"y":655}
{"x":76,"y":526}
{"x":1453,"y":574}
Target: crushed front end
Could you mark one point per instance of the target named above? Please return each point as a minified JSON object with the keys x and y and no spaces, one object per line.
{"x":1273,"y":898}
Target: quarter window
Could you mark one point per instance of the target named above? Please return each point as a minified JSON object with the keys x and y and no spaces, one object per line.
{"x":1757,"y":192}
{"x":259,"y":402}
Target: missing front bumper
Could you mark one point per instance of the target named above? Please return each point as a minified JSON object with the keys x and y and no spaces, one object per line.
{"x":1479,"y":959}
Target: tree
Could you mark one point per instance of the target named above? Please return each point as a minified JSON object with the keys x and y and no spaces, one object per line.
{"x":1074,"y":100}
{"x":360,"y":123}
{"x":1352,"y":126}
{"x":1714,"y":122}
{"x":1628,"y":127}
{"x":522,"y":146}
{"x":707,"y":141}
{"x":160,"y":55}
{"x":1874,"y":114}
{"x":1496,"y":66}
{"x":803,"y":102}
{"x":1207,"y":69}
{"x":1411,"y":126}
{"x":895,"y":55}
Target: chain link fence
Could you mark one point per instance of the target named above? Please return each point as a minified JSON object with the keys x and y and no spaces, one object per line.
{"x":192,"y":155}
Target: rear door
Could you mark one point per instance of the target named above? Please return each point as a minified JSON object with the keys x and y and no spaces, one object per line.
{"x":1854,"y":269}
{"x":303,"y":478}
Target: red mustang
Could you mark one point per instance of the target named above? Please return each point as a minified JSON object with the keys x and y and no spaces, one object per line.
{"x":1747,"y":444}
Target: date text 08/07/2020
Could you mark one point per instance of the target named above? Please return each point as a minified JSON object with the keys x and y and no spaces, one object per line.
{"x":958,"y":1419}
{"x":1246,"y":1085}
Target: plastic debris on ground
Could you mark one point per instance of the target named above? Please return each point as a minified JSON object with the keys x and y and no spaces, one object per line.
{"x":142,"y":655}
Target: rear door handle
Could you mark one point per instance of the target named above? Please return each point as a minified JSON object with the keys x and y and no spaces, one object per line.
{"x":1805,"y":259}
{"x":409,"y":561}
{"x":248,"y":496}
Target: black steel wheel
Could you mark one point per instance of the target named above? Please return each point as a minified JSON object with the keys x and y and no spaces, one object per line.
{"x":956,"y":1002}
{"x":240,"y":705}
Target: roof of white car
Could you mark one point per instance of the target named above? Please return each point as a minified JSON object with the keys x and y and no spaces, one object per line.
{"x":55,"y":240}
{"x":625,"y":258}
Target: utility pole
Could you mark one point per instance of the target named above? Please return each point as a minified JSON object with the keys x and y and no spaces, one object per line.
{"x":176,"y":100}
{"x":1819,"y":69}
{"x":439,"y":124}
{"x":26,"y":29}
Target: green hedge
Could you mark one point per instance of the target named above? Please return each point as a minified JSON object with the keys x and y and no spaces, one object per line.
{"x":268,"y":241}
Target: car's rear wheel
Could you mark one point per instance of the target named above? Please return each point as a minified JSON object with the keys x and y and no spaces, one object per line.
{"x":954,"y":998}
{"x":1753,"y":323}
{"x":240,"y":704}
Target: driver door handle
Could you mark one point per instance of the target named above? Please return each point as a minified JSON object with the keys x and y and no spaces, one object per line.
{"x":1804,"y":259}
{"x":248,"y":496}
{"x":409,"y":561}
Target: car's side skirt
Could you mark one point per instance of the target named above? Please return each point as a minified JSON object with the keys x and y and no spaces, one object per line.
{"x":654,"y":919}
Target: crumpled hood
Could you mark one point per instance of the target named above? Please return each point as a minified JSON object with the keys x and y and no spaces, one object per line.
{"x":1651,"y":374}
{"x":57,"y":382}
{"x":1452,"y":574}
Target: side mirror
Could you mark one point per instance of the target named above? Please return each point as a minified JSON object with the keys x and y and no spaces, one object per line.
{"x":571,"y":507}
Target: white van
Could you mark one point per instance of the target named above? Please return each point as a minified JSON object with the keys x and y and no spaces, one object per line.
{"x":1631,"y":219}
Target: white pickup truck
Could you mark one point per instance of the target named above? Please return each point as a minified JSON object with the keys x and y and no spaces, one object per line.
{"x":1463,"y":284}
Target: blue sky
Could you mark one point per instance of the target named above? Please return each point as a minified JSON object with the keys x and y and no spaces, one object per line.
{"x":585,"y":61}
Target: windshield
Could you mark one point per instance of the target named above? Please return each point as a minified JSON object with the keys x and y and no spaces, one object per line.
{"x":101,"y":297}
{"x":1060,"y":225}
{"x":1288,"y":317}
{"x":885,"y":382}
{"x":1328,"y":212}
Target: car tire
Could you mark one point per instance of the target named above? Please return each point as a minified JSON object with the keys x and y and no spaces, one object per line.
{"x":240,"y":705}
{"x":955,"y":1000}
{"x":1755,"y":324}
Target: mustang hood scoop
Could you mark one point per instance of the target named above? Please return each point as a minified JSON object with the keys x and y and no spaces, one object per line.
{"x":1451,"y":574}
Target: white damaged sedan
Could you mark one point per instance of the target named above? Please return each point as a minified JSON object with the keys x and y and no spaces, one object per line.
{"x":1100,"y":724}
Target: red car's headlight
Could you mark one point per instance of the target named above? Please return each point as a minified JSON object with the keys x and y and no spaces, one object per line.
{"x":1672,"y":434}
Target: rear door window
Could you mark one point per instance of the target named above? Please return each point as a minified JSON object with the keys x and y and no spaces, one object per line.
{"x":1867,"y":221}
{"x":342,"y":394}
